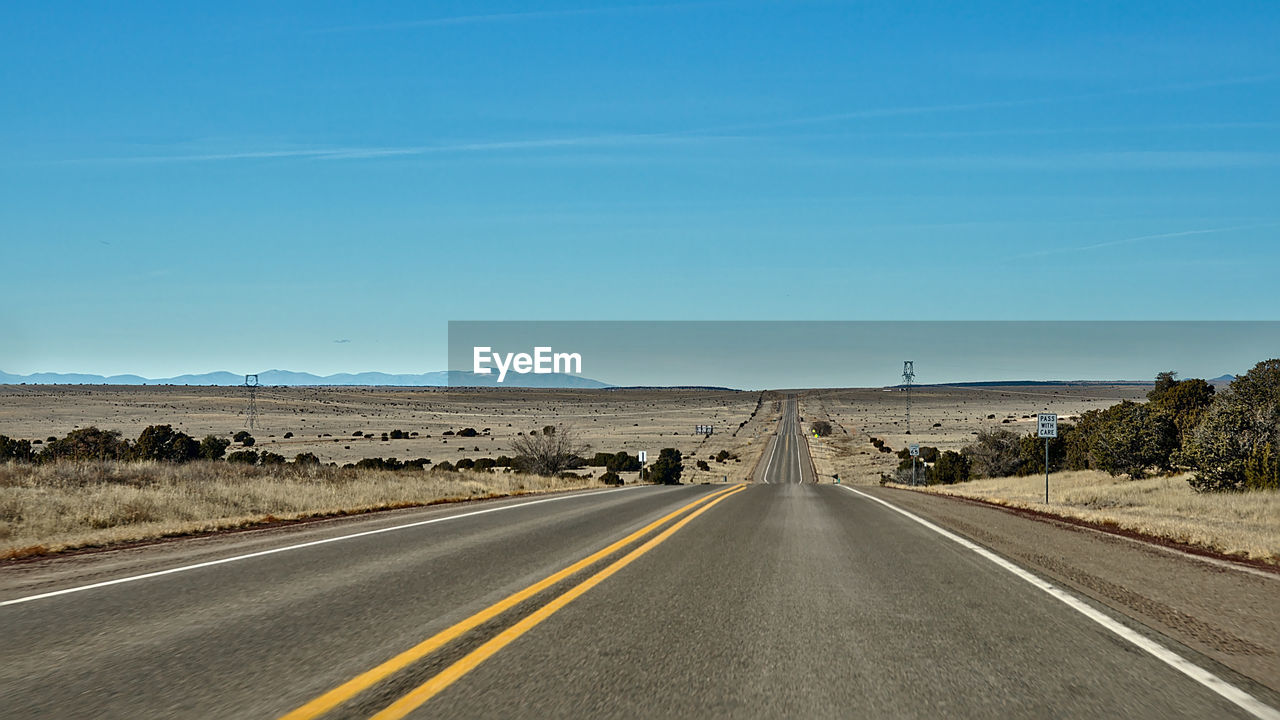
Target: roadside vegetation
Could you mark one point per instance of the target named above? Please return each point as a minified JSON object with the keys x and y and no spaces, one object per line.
{"x":1239,"y":524}
{"x":50,"y":507}
{"x":94,"y":487}
{"x":1190,"y":465}
{"x":1215,"y":442}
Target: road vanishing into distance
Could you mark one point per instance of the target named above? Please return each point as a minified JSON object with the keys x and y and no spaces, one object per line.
{"x":778,"y":599}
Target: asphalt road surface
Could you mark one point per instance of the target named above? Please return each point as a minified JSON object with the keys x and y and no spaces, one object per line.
{"x":781,"y":599}
{"x":786,"y":458}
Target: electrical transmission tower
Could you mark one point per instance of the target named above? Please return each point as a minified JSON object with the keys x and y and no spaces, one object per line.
{"x":251,"y":383}
{"x":908,"y":377}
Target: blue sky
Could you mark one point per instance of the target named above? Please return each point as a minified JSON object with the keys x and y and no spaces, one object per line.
{"x":242,"y":186}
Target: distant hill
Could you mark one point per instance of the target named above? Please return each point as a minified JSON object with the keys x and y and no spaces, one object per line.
{"x":452,"y":378}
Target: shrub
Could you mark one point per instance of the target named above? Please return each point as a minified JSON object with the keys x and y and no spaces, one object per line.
{"x":87,"y":444}
{"x":1237,"y":444}
{"x":611,"y":478}
{"x":702,"y":465}
{"x":244,"y":438}
{"x":1185,"y":402}
{"x":1133,"y":438}
{"x":306,"y":459}
{"x":549,"y":453}
{"x":289,"y":435}
{"x":467,"y":432}
{"x":951,"y":467}
{"x":666,"y":469}
{"x":622,"y":462}
{"x":1078,"y":441}
{"x":995,"y":453}
{"x":821,"y":428}
{"x":164,"y":444}
{"x":270,"y":458}
{"x":248,"y":457}
{"x":15,"y":450}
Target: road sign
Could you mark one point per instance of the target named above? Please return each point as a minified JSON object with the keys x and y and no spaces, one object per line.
{"x":1048,"y":425}
{"x":915,"y":451}
{"x":644,"y":456}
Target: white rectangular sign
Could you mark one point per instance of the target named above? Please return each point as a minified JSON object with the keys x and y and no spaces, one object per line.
{"x":644,"y":456}
{"x":915,"y":451}
{"x":1048,"y":425}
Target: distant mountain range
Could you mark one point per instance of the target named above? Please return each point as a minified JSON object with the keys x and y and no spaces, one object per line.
{"x":443,"y":378}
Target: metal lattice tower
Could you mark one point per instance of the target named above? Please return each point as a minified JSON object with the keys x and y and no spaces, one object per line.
{"x":251,"y":383}
{"x":908,"y":377}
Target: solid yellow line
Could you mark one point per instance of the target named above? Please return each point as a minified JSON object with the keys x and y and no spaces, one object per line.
{"x":369,"y":678}
{"x":469,"y":662}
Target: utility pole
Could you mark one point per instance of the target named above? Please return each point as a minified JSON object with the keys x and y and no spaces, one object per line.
{"x":908,"y":377}
{"x":251,"y":383}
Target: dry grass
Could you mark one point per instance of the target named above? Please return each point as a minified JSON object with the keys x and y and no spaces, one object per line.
{"x":48,"y":508}
{"x":1239,"y":524}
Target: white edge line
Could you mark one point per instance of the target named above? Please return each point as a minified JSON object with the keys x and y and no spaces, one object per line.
{"x":1235,"y":695}
{"x":286,"y":548}
{"x":773,"y":447}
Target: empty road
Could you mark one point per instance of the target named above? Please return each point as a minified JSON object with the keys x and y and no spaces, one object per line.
{"x":779,"y":599}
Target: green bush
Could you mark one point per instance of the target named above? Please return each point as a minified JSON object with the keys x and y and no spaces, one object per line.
{"x":1185,"y":402}
{"x":1132,"y":439}
{"x":611,"y":478}
{"x":244,"y":438}
{"x":248,"y":457}
{"x":270,"y":458}
{"x":1235,"y":445}
{"x":213,"y":447}
{"x":164,"y":444}
{"x":15,"y":450}
{"x":951,"y":467}
{"x":666,"y":469}
{"x":87,"y":444}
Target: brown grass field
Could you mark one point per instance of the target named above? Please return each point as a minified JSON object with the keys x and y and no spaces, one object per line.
{"x":87,"y":505}
{"x":49,"y":508}
{"x":1246,"y":525}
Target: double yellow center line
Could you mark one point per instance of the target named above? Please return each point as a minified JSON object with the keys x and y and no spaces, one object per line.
{"x":419,"y":695}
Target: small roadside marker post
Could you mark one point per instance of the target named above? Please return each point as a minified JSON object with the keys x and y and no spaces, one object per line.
{"x":915,"y":453}
{"x":1048,"y":424}
{"x":643,"y":456}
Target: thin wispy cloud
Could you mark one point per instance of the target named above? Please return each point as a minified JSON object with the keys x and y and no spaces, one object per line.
{"x":1135,"y":160}
{"x":363,"y":153}
{"x":509,"y":17}
{"x":741,"y":131}
{"x":908,"y":110}
{"x":1143,"y":238}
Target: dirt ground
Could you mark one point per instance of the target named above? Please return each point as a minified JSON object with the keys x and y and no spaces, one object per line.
{"x":324,"y":421}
